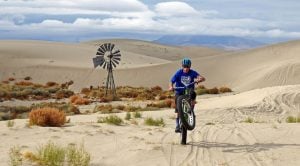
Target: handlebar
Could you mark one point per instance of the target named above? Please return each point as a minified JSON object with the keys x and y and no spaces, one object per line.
{"x":184,"y":87}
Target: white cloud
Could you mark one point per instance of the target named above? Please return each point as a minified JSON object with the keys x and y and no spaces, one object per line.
{"x":174,"y":9}
{"x":131,"y":16}
{"x":70,"y":6}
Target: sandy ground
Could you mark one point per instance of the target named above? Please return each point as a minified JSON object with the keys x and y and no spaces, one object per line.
{"x":266,"y":84}
{"x":221,"y":136}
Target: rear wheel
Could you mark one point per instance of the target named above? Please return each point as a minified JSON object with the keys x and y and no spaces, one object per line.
{"x":186,"y":114}
{"x":183,"y":135}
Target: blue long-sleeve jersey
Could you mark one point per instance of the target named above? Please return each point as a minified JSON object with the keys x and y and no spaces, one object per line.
{"x":182,"y":79}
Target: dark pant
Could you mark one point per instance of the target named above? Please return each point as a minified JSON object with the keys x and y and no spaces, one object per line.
{"x":192,"y":96}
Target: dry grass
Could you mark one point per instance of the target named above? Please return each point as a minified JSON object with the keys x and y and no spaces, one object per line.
{"x":25,"y":90}
{"x":167,"y":103}
{"x":224,"y":89}
{"x":111,"y":119}
{"x":27,"y":78}
{"x":15,"y":156}
{"x":11,"y":79}
{"x":47,"y":117}
{"x":293,"y":119}
{"x":52,"y":154}
{"x":78,"y":100}
{"x":154,"y":122}
{"x":51,"y":84}
{"x":214,"y":90}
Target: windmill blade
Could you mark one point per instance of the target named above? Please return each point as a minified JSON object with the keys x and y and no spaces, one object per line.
{"x":115,"y":58}
{"x":104,"y":66}
{"x":100,"y":51}
{"x":117,"y":55}
{"x":102,"y":62}
{"x":97,"y":61}
{"x":106,"y":46}
{"x":114,"y":65}
{"x":112,"y":46}
{"x":103,"y":48}
{"x":116,"y":52}
{"x":115,"y":61}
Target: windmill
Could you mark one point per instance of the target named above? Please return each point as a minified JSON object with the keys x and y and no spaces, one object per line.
{"x":108,"y":58}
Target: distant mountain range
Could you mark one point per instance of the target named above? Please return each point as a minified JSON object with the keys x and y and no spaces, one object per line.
{"x":224,"y":42}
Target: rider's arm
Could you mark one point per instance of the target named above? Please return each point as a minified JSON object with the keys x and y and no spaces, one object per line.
{"x":171,"y":86}
{"x":200,"y":79}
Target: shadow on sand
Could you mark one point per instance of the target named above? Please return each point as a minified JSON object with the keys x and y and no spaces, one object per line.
{"x":235,"y":148}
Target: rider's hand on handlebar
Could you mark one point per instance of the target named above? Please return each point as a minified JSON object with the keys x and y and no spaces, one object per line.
{"x":171,"y":88}
{"x":199,"y":79}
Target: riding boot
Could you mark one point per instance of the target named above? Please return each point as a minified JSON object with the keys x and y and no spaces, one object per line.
{"x":177,"y":129}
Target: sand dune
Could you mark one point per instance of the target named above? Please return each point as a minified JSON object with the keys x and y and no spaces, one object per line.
{"x":227,"y":141}
{"x":266,"y":83}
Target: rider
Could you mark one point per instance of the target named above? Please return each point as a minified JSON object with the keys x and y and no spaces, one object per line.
{"x":183,"y":77}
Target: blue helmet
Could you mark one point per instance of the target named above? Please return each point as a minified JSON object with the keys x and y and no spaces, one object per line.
{"x":186,"y":62}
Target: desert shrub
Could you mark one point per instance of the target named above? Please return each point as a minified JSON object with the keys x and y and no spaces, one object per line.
{"x":213,"y":91}
{"x":85,"y":91}
{"x":68,"y":108}
{"x":132,"y":109}
{"x":162,"y":104}
{"x":53,"y":89}
{"x":51,"y":83}
{"x":201,"y":87}
{"x":128,"y":116}
{"x":24,"y":83}
{"x":249,"y":120}
{"x":63,"y":93}
{"x":106,"y":99}
{"x":156,"y":89}
{"x":120,"y":107}
{"x":5,"y":82}
{"x":146,"y":95}
{"x":75,"y":99}
{"x":11,"y":79}
{"x":77,"y":156}
{"x":154,"y":122}
{"x":137,"y":115}
{"x":104,"y":108}
{"x":71,"y":82}
{"x":162,"y":97}
{"x":200,"y":91}
{"x":15,"y":156}
{"x":51,"y":154}
{"x":224,"y":89}
{"x":112,"y":119}
{"x":47,"y":117}
{"x":27,"y":78}
{"x":292,"y":119}
{"x":10,"y":123}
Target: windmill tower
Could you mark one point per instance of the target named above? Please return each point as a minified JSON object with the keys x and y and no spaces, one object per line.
{"x":108,"y":58}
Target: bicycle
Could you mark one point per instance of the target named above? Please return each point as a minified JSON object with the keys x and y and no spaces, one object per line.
{"x":187,"y":118}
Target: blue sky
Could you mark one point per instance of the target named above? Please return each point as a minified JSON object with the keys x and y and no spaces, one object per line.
{"x":77,"y":20}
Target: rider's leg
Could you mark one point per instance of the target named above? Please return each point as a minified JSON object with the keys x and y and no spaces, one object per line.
{"x":177,"y":127}
{"x":193,"y":97}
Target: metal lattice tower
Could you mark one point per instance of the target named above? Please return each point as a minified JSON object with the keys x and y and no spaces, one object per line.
{"x":108,"y":58}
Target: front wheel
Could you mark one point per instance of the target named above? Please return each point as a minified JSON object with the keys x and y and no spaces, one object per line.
{"x":186,"y":114}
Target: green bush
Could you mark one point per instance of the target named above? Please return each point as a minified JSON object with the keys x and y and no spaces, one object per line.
{"x":77,"y":156}
{"x":128,"y":116}
{"x":249,"y":120}
{"x":137,"y":115}
{"x":15,"y":156}
{"x":112,"y":119}
{"x":52,"y":154}
{"x":292,"y":119}
{"x":154,"y":122}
